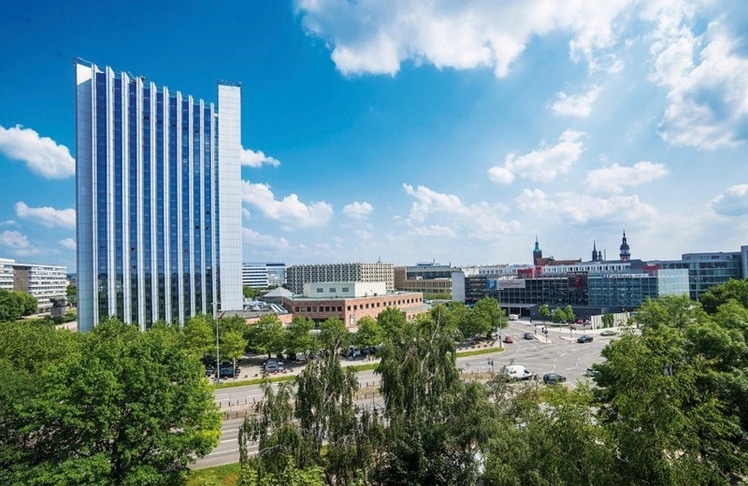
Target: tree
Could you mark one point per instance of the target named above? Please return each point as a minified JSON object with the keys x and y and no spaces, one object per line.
{"x":198,"y":336}
{"x":559,"y":315}
{"x":323,"y":429}
{"x":71,"y":292}
{"x":134,"y":408}
{"x":392,"y":322}
{"x":434,"y":420}
{"x":299,"y":337}
{"x":490,"y":315}
{"x":333,"y":335}
{"x":545,"y":312}
{"x":266,"y":336}
{"x":673,"y":397}
{"x":731,"y":290}
{"x":369,"y":333}
{"x":569,"y":313}
{"x":15,"y":304}
{"x":250,"y":292}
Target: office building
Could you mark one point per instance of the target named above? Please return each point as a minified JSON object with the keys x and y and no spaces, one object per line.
{"x":158,"y":200}
{"x":298,"y":275}
{"x":708,"y":269}
{"x":263,"y":275}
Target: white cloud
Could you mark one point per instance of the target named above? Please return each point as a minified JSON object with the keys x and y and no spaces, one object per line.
{"x":580,"y":209}
{"x":436,"y":230}
{"x":542,"y":164}
{"x":41,"y":154}
{"x":376,"y":36}
{"x":250,"y":158}
{"x":358,"y":210}
{"x":734,"y":202}
{"x":17,"y":243}
{"x":9,"y":222}
{"x":579,"y":105}
{"x":289,"y":211}
{"x":264,"y":241}
{"x":68,"y":243}
{"x":614,"y":178}
{"x":475,"y":221}
{"x":705,"y":77}
{"x":47,"y":216}
{"x":363,"y":234}
{"x":500,"y":175}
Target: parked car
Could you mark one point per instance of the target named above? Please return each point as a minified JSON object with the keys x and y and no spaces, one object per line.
{"x":516,"y":372}
{"x":508,"y":339}
{"x":584,"y":338}
{"x":228,"y":372}
{"x":589,"y":372}
{"x":608,"y":332}
{"x":553,"y":378}
{"x":529,"y":335}
{"x":274,"y":367}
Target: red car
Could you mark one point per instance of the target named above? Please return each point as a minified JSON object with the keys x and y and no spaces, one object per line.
{"x":508,"y":339}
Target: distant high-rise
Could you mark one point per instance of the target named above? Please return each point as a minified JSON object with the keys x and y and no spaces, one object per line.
{"x":158,"y":200}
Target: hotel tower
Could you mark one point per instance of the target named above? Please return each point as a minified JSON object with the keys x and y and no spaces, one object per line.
{"x":158,"y":200}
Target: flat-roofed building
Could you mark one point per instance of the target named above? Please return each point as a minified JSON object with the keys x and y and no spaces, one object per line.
{"x":46,"y":283}
{"x":350,"y":301}
{"x":298,"y":275}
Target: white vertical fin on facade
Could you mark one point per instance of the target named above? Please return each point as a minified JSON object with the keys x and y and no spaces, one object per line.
{"x":229,"y":196}
{"x":85,"y":146}
{"x":125,"y":203}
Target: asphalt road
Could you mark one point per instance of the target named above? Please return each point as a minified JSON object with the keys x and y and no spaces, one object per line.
{"x":560,"y":353}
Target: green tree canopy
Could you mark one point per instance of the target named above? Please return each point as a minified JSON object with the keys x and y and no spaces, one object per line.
{"x":15,"y":304}
{"x":369,"y":333}
{"x":266,"y":336}
{"x":121,"y":407}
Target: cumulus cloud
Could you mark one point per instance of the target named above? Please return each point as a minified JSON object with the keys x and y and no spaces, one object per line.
{"x":17,"y":243}
{"x":377,"y":36}
{"x":41,"y":154}
{"x":9,"y":222}
{"x":289,"y":211}
{"x":576,"y":208}
{"x":250,"y":158}
{"x":363,"y":234}
{"x":734,"y":202}
{"x":579,"y":105}
{"x":47,"y":216}
{"x":478,"y":221}
{"x":265,"y":241}
{"x":68,"y":243}
{"x":435,"y":230}
{"x":614,"y":178}
{"x":542,"y":164}
{"x":705,"y":75}
{"x":358,"y":210}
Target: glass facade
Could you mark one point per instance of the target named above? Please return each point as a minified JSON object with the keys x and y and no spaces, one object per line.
{"x":148,"y":213}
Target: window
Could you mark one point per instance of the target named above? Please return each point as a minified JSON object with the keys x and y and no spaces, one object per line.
{"x":320,"y":290}
{"x":344,"y":289}
{"x":332,"y":290}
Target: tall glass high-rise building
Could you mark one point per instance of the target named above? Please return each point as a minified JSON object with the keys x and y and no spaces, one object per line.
{"x":158,"y":200}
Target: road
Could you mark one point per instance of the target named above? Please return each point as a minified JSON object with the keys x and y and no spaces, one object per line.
{"x":560,"y":354}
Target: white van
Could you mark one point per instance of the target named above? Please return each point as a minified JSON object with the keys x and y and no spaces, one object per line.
{"x":513,"y":317}
{"x":516,"y":372}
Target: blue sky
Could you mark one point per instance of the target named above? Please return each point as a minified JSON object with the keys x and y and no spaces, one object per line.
{"x":408,"y":131}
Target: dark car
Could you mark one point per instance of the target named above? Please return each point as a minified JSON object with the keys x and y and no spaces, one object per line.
{"x":508,"y":339}
{"x":228,"y":372}
{"x":274,"y":367}
{"x":584,"y":338}
{"x":553,"y":378}
{"x":529,"y":335}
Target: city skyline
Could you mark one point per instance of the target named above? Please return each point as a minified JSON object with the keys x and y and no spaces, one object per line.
{"x":396,"y":131}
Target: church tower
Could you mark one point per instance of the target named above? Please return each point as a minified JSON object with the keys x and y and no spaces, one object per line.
{"x":625,"y":251}
{"x":597,"y":256}
{"x":537,"y":254}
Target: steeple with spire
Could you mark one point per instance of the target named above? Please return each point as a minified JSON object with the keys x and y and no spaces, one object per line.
{"x":597,"y":256}
{"x":537,"y":254}
{"x":625,"y":250}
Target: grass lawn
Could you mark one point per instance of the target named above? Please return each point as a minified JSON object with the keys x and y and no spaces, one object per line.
{"x":227,"y":475}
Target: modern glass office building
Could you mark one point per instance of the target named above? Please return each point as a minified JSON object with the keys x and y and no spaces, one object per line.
{"x":158,"y":199}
